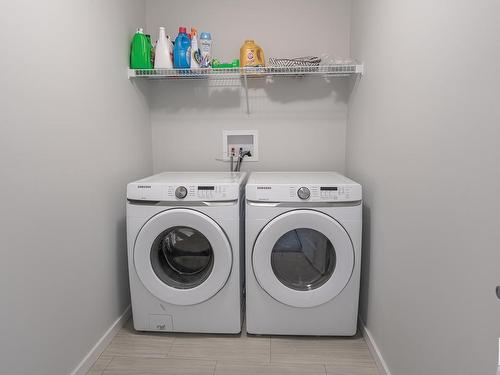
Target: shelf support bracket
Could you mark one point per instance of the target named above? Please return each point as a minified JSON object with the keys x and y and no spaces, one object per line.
{"x":246,"y":91}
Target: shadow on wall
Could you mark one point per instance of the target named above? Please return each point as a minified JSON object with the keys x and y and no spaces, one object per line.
{"x":175,"y":95}
{"x":352,"y":87}
{"x":365,"y":263}
{"x":121,"y":262}
{"x":142,"y":88}
{"x":289,"y":90}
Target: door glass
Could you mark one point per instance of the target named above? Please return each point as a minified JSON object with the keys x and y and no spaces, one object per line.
{"x":303,"y":259}
{"x":182,"y":257}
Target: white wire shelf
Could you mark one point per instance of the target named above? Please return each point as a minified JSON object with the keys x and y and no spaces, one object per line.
{"x":227,"y":76}
{"x":339,"y":70}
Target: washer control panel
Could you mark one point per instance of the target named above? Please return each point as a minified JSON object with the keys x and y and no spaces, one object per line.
{"x":304,"y":193}
{"x":199,"y":192}
{"x":183,"y":192}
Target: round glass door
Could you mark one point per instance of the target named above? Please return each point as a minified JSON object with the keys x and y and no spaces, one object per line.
{"x":182,"y":256}
{"x":303,"y":258}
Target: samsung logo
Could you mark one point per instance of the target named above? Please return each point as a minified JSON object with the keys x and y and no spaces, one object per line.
{"x":143,"y":186}
{"x":263,"y":187}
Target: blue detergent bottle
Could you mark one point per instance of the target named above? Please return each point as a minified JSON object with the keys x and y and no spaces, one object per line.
{"x":182,"y":50}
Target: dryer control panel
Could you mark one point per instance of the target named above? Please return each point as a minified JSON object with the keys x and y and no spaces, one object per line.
{"x":304,"y":193}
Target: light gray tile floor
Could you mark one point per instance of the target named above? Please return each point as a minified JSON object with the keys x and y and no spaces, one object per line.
{"x":142,"y":353}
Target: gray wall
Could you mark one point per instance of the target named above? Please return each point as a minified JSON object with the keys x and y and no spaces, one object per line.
{"x":73,"y":133}
{"x":301,"y":122}
{"x":423,"y":139}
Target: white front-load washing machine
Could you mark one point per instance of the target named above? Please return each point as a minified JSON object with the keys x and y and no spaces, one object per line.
{"x":303,"y":252}
{"x":185,"y":251}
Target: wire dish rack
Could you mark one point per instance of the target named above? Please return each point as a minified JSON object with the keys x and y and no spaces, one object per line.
{"x":242,"y":74}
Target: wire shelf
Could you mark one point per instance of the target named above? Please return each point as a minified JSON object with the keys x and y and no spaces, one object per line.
{"x":228,"y":76}
{"x":341,"y":70}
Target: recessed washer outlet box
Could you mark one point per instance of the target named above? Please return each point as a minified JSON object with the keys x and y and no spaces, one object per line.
{"x":247,"y":140}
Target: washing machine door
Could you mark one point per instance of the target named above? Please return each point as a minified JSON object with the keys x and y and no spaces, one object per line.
{"x":182,"y":256}
{"x":303,"y":258}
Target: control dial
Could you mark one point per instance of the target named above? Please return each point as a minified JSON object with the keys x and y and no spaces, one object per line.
{"x":181,"y":192}
{"x":303,"y":193}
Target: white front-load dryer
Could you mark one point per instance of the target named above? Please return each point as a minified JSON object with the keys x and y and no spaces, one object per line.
{"x":303,"y":252}
{"x":185,"y":251}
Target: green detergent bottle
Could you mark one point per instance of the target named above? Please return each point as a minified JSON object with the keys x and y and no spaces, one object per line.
{"x":140,"y":51}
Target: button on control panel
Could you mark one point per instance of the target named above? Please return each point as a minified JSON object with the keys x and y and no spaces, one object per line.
{"x":303,"y":193}
{"x":181,"y":192}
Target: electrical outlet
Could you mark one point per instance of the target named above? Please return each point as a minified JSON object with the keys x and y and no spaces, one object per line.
{"x":234,"y":140}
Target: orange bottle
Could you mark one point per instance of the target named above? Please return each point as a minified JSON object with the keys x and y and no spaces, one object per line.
{"x":251,"y":54}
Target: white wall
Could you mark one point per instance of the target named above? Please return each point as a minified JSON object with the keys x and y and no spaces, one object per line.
{"x":423,"y":139}
{"x":301,"y":122}
{"x":74,"y":131}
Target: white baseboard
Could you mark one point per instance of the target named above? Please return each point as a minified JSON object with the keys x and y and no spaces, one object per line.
{"x":374,"y":350}
{"x":92,"y":356}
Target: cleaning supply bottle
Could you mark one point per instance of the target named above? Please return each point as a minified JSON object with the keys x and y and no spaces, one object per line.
{"x":206,"y":50}
{"x":171,"y":48}
{"x":251,"y":54}
{"x":163,"y":59}
{"x":216,"y":64}
{"x":195,"y":52}
{"x":140,"y":51}
{"x":152,"y":49}
{"x":182,"y":50}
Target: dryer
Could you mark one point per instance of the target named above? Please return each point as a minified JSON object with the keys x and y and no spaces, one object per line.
{"x":303,"y":252}
{"x":185,"y":251}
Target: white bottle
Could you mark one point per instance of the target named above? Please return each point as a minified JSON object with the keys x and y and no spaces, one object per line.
{"x":163,"y":58}
{"x":170,"y":48}
{"x":206,"y":50}
{"x":195,"y":52}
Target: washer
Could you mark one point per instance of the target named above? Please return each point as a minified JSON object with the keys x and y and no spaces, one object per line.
{"x":303,"y":251}
{"x":185,"y":252}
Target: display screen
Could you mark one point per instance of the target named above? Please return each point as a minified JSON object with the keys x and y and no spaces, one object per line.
{"x":206,"y":187}
{"x":328,"y":188}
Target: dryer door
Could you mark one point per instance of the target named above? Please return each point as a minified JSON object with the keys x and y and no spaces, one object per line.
{"x":303,"y":258}
{"x":182,"y":256}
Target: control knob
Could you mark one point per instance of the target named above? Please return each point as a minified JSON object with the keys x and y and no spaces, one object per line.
{"x":181,"y":192}
{"x":303,"y":193}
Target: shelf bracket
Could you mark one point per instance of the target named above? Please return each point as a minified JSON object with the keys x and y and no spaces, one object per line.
{"x":246,"y":91}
